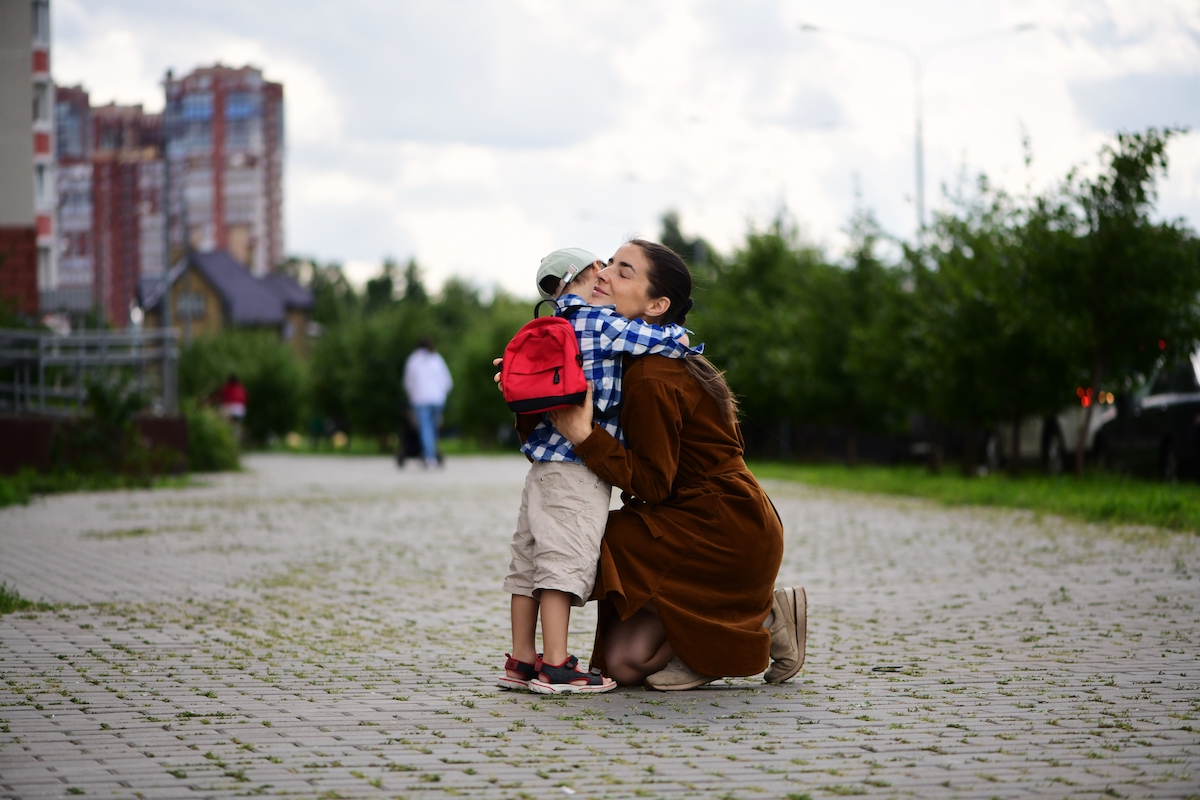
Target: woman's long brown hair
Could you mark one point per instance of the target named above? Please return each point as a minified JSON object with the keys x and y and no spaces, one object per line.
{"x":670,"y":278}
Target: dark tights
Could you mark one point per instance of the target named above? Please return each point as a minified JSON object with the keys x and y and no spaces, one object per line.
{"x":636,"y":647}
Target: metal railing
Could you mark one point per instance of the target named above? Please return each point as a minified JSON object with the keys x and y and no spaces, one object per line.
{"x":46,"y":373}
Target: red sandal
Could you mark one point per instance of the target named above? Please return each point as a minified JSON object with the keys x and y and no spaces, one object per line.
{"x":528,"y":671}
{"x":559,"y":679}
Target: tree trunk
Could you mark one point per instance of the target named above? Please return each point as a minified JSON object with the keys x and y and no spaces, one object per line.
{"x":1014,"y":456}
{"x":851,"y":447}
{"x":970,"y":455}
{"x":785,"y":439}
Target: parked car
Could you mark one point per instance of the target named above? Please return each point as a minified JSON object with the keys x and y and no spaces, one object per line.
{"x":1157,"y":427}
{"x":1050,"y":441}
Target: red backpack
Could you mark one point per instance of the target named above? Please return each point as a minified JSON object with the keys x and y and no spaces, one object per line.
{"x":542,"y":368}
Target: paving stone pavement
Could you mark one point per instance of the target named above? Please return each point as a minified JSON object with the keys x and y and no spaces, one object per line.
{"x":333,"y":627}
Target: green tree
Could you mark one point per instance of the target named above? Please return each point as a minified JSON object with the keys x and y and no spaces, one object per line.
{"x":415,"y":293}
{"x":1122,"y":281}
{"x":380,"y":291}
{"x":755,"y":318}
{"x":989,"y":341}
{"x":274,"y":378}
{"x":475,"y":407}
{"x":695,"y":251}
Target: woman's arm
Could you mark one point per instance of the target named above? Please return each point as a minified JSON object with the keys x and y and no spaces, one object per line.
{"x":652,"y":418}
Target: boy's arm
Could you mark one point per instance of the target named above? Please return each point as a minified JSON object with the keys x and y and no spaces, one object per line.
{"x":616,"y":334}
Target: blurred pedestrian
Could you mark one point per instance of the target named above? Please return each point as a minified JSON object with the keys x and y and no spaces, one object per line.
{"x":427,"y":381}
{"x":231,"y":399}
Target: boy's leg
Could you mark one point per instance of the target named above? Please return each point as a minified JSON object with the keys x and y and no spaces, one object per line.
{"x":524,"y":630}
{"x":556,"y":621}
{"x":519,"y":584}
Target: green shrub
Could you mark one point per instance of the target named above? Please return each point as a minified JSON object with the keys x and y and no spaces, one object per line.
{"x":212,"y":445}
{"x":273,"y":376}
{"x":104,"y":441}
{"x":475,"y":406}
{"x":15,"y":489}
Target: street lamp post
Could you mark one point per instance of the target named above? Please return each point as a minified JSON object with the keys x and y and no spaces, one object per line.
{"x":917,"y":58}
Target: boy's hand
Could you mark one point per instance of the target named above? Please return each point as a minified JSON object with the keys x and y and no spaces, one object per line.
{"x":575,"y":422}
{"x":496,"y":362}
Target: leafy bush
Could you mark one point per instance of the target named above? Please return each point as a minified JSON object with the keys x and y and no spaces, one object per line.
{"x":476,"y":407}
{"x":212,"y":445}
{"x":104,"y":439}
{"x":266,"y":365}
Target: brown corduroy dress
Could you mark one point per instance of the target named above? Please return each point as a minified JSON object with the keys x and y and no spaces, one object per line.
{"x":697,"y":534}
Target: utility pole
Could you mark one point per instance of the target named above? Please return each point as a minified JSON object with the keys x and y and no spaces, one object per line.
{"x":917,"y":59}
{"x":166,"y":198}
{"x":168,"y":343}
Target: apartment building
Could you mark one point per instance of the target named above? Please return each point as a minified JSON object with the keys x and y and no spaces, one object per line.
{"x":225,"y":154}
{"x":27,"y":202}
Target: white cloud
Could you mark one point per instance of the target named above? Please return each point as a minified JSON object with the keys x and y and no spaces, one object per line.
{"x":480,"y":134}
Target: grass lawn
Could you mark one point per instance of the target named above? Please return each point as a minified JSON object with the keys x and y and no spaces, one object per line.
{"x":19,"y":488}
{"x":1099,"y":497}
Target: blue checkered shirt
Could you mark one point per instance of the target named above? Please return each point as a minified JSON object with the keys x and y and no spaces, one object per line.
{"x":603,"y":336}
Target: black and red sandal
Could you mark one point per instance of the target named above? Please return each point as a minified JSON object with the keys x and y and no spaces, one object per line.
{"x":528,"y":672}
{"x":567,"y":678}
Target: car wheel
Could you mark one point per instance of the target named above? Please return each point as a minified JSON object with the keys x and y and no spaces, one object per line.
{"x":1168,"y":464}
{"x":1053,"y":453}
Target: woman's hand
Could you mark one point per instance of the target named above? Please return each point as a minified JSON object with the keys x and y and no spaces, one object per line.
{"x":575,"y":422}
{"x":496,"y":362}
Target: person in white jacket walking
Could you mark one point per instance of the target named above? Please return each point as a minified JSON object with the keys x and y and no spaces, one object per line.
{"x":427,"y":381}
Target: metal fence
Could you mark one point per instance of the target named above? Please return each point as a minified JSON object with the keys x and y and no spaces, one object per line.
{"x":45,"y":373}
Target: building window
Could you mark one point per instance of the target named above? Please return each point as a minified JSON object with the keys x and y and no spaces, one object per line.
{"x":43,"y":267}
{"x":41,"y":184}
{"x":41,"y":102}
{"x":68,"y":131}
{"x":241,"y":105}
{"x":41,"y":21}
{"x":239,"y":134}
{"x":198,"y":106}
{"x":190,"y":305}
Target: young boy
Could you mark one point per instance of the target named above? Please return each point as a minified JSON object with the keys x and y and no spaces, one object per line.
{"x":564,"y":507}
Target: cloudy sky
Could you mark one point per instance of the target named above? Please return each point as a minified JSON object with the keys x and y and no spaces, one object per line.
{"x":477,"y":135}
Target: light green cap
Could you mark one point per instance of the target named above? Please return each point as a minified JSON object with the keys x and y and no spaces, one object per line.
{"x":560,"y":268}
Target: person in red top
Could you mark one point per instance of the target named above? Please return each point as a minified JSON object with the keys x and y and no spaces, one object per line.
{"x":232,"y":399}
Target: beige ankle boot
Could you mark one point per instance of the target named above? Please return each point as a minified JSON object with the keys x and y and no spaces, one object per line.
{"x":788,"y":632}
{"x":676,"y":676}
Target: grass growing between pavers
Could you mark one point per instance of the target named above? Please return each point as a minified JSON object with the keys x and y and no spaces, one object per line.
{"x":22,"y":487}
{"x":1098,"y":497}
{"x":11,"y":600}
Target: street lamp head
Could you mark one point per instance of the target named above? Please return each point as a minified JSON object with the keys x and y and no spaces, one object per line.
{"x":808,"y":28}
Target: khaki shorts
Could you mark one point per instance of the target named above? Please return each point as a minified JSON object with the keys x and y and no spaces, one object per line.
{"x":564,"y":509}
